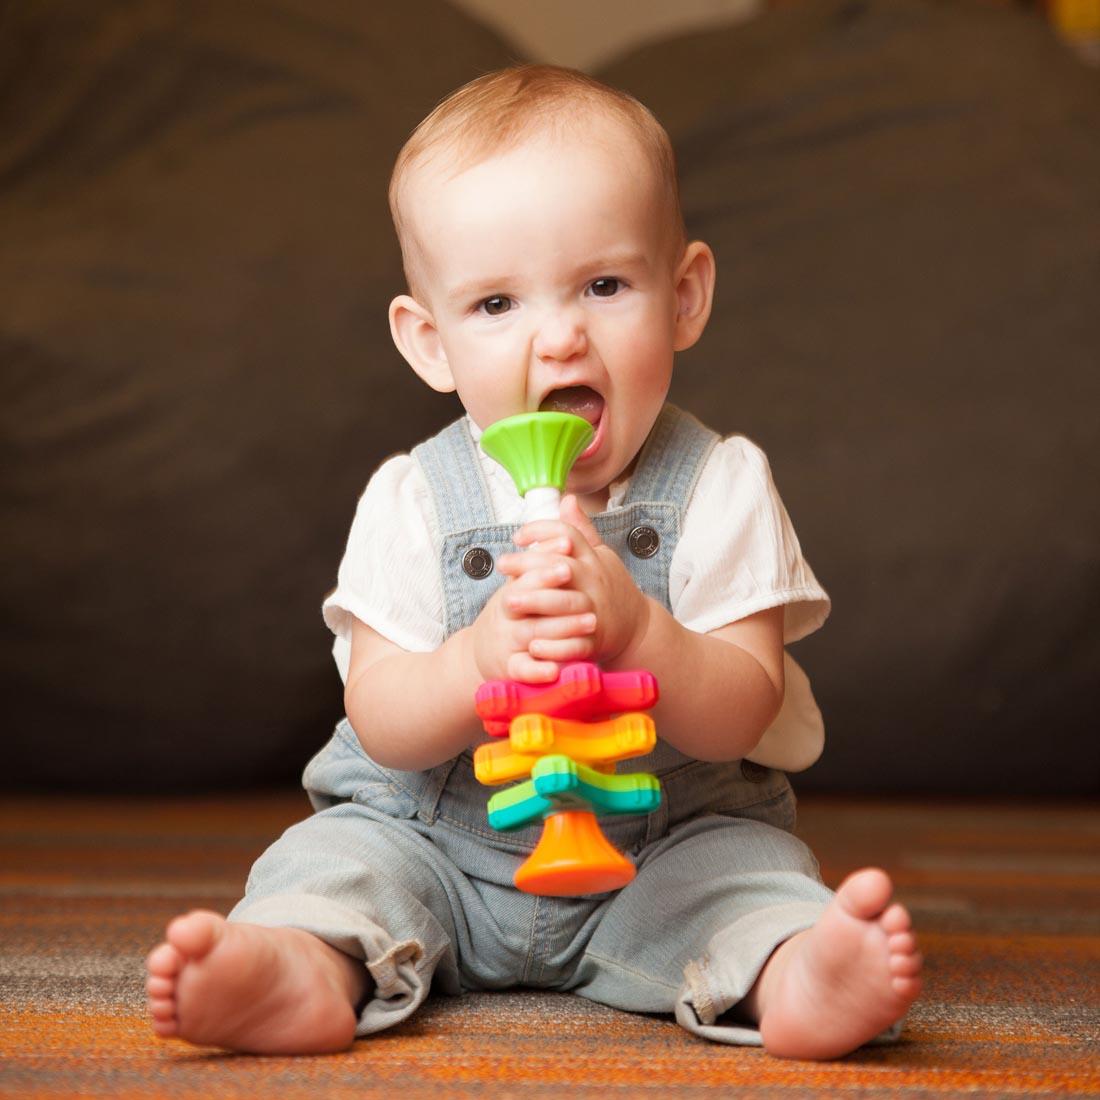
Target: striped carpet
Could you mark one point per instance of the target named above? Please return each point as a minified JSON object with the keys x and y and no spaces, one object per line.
{"x":1006,"y":899}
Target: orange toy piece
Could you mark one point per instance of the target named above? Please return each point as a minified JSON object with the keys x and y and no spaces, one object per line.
{"x":572,"y":858}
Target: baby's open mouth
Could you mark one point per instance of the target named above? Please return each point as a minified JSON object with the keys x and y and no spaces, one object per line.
{"x":582,"y":401}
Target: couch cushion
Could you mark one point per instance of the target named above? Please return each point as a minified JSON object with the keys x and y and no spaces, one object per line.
{"x":904,"y":199}
{"x":198,"y":375}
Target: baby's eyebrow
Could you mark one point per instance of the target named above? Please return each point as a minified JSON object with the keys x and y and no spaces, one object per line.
{"x":613,"y":261}
{"x":476,"y":289}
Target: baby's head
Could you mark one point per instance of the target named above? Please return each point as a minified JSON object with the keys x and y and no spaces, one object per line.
{"x":502,"y":111}
{"x":544,"y":249}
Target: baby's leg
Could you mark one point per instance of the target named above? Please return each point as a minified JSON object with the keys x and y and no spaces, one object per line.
{"x":833,"y":987}
{"x":251,"y":988}
{"x":345,"y":922}
{"x":728,"y":925}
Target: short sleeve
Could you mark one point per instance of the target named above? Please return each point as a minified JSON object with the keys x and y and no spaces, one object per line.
{"x":738,"y":552}
{"x":389,"y":576}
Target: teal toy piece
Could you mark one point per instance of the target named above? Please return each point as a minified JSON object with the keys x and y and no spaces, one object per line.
{"x":560,"y":783}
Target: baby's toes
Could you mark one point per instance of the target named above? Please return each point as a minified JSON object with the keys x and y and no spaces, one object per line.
{"x":907,"y":989}
{"x":902,"y":943}
{"x":194,"y":934}
{"x":905,"y":966}
{"x":165,"y":1029}
{"x":164,"y":961}
{"x":162,"y":1008}
{"x":158,"y":986}
{"x":162,"y":1013}
{"x":895,"y":919}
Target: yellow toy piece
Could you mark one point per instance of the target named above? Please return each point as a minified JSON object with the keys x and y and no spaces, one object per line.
{"x":604,"y":742}
{"x":598,"y":744}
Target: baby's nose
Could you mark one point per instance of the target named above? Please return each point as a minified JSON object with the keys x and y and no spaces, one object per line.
{"x":561,"y":335}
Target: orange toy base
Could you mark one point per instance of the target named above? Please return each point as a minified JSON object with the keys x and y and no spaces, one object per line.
{"x":572,"y":858}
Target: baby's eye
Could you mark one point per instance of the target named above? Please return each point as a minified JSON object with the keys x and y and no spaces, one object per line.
{"x":605,"y":288}
{"x":496,"y":305}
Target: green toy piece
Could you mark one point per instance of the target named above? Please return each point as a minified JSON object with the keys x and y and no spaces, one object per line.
{"x":560,"y":783}
{"x":537,"y":449}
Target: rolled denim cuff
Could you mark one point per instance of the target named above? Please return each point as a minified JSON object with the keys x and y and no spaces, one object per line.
{"x":723,"y":975}
{"x":400,"y":972}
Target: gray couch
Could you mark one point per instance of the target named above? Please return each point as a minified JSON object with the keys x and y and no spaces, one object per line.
{"x":198,"y":380}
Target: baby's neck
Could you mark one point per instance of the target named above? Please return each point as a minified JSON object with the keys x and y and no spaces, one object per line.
{"x":594,"y":503}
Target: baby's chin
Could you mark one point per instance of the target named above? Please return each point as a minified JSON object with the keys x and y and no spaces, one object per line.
{"x":594,"y":490}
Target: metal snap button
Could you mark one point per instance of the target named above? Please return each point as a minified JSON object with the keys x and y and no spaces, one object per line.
{"x":643,"y":542}
{"x":753,"y":772}
{"x":477,"y":563}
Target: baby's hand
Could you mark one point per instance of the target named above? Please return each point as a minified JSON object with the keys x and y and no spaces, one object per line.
{"x":598,"y":585}
{"x":534,"y":622}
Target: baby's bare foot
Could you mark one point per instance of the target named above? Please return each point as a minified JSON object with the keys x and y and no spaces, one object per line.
{"x":833,"y":987}
{"x":250,"y":988}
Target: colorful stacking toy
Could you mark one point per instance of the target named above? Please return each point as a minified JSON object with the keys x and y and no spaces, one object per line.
{"x":564,"y":738}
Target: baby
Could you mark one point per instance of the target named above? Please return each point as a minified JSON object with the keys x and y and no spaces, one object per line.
{"x":548,"y":268}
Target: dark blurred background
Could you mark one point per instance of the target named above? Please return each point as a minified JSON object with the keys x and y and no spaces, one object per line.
{"x":195,"y":264}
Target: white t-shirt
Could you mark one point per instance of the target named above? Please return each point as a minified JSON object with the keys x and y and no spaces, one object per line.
{"x":737,"y":554}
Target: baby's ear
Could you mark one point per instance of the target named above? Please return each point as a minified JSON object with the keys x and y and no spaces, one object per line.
{"x":694,"y":293}
{"x":414,"y":332}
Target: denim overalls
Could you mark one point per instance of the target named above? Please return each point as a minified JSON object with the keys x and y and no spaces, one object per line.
{"x":401,"y":869}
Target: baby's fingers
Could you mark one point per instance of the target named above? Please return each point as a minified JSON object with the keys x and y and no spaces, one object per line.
{"x":527,"y":670}
{"x":558,"y":626}
{"x":562,"y":650}
{"x":575,"y":516}
{"x":521,"y":600}
{"x":535,"y":569}
{"x":547,"y":534}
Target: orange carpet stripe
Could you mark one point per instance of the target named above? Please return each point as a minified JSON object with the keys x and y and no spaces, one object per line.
{"x":1011,"y":1008}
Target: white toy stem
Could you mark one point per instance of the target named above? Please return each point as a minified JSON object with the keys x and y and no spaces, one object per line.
{"x":543,"y":502}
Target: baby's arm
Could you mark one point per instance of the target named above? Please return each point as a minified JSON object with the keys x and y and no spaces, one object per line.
{"x":409,"y":710}
{"x":719,"y":691}
{"x":413,"y":711}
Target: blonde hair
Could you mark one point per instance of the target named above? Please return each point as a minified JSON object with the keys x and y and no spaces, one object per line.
{"x":495,"y":112}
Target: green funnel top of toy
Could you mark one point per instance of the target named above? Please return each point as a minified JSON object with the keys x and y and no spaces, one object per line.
{"x":538,"y":449}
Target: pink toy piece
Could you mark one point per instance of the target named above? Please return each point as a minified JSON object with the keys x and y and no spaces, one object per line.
{"x":583,"y":691}
{"x":504,"y":699}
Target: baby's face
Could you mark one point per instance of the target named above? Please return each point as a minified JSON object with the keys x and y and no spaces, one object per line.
{"x":550,"y":274}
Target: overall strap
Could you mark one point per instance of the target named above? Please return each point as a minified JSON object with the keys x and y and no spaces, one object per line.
{"x":453,"y":472}
{"x":671,"y":460}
